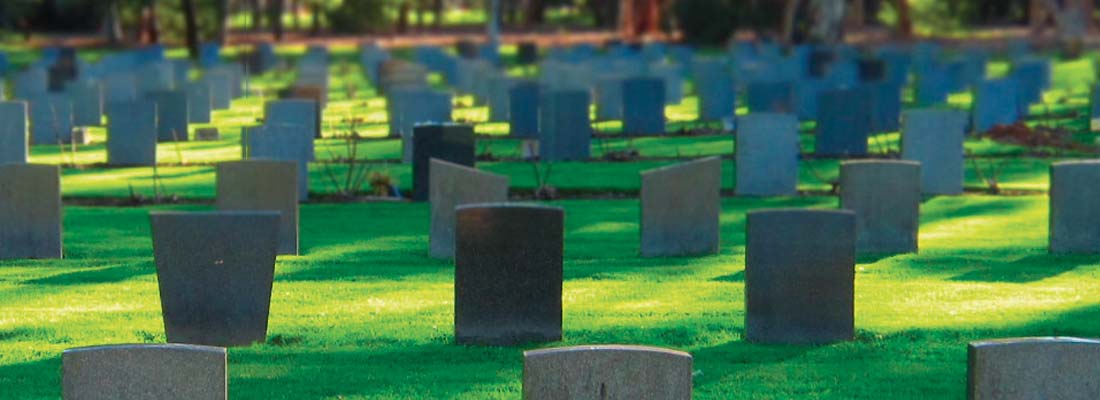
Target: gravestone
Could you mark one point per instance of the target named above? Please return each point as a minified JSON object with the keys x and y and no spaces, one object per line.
{"x":607,"y":372}
{"x":172,"y":115}
{"x":508,"y":274}
{"x":132,"y":133}
{"x":159,"y":76}
{"x":1094,"y":108}
{"x":300,"y":112}
{"x":680,"y":209}
{"x":883,"y":101}
{"x":774,"y":97}
{"x":885,"y":196}
{"x":119,"y":87}
{"x":450,"y":142}
{"x":1074,"y":220}
{"x":715,"y":87}
{"x":799,"y":276}
{"x":198,"y":102}
{"x":221,"y":90}
{"x":1061,"y":368}
{"x":499,"y":102}
{"x":214,"y":271}
{"x":643,"y":106}
{"x":931,"y":87}
{"x":408,"y":107}
{"x":87,"y":100}
{"x":609,"y":98}
{"x":766,"y":154}
{"x":523,"y":109}
{"x":284,"y":143}
{"x":454,"y":185}
{"x":144,"y":371}
{"x":843,"y":123}
{"x":51,"y":119}
{"x":30,"y":211}
{"x":263,"y":185}
{"x":995,"y":103}
{"x":565,"y":129}
{"x":934,"y":138}
{"x":30,"y":84}
{"x":13,"y":132}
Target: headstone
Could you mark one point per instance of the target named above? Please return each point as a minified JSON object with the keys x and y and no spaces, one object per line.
{"x":450,"y":142}
{"x":454,"y":185}
{"x":132,"y":133}
{"x":715,"y":86}
{"x":1094,"y":108}
{"x":408,"y":107}
{"x":1062,"y":368}
{"x":934,"y":138}
{"x":775,"y":97}
{"x":680,"y":209}
{"x":214,"y":271}
{"x":263,"y":185}
{"x":1074,"y":219}
{"x":767,"y":155}
{"x":87,"y":100}
{"x":157,"y":76}
{"x":299,"y":112}
{"x":144,"y":371}
{"x":565,"y":129}
{"x":609,"y":98}
{"x":499,"y":102}
{"x":30,"y":84}
{"x":931,"y":87}
{"x":198,"y":102}
{"x":523,"y":109}
{"x":883,"y":106}
{"x":508,"y":274}
{"x":13,"y":132}
{"x":995,"y":103}
{"x":843,"y":123}
{"x":30,"y":211}
{"x":643,"y":106}
{"x":51,"y":119}
{"x":221,"y":90}
{"x":207,"y":134}
{"x":800,"y":276}
{"x":172,"y":115}
{"x":119,"y":87}
{"x":281,"y":142}
{"x":607,"y":372}
{"x":886,"y":196}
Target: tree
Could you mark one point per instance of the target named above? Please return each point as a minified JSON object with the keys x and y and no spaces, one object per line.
{"x":275,"y":17}
{"x":222,"y":16}
{"x":191,"y":28}
{"x":536,"y":12}
{"x":905,"y":22}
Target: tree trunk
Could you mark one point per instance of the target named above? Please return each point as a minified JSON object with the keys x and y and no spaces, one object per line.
{"x":315,"y":16}
{"x":153,"y":25}
{"x":437,"y":10}
{"x":191,"y":28}
{"x":295,"y":6}
{"x":257,"y":14}
{"x":790,"y":10}
{"x":222,"y":14}
{"x":112,"y":23}
{"x":905,"y":22}
{"x":403,"y":17}
{"x":536,"y":12}
{"x":276,"y":18}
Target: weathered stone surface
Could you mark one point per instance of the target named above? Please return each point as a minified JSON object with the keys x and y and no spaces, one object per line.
{"x":51,"y":119}
{"x":207,"y":134}
{"x":87,"y":99}
{"x":1074,"y":214}
{"x":885,"y":195}
{"x":995,"y":103}
{"x":934,"y":138}
{"x":304,"y":114}
{"x":221,"y":91}
{"x":643,"y":106}
{"x":144,"y":371}
{"x":214,"y":271}
{"x":281,"y":142}
{"x":767,"y":155}
{"x":1034,"y":368}
{"x":30,"y":211}
{"x":565,"y":128}
{"x":715,"y":86}
{"x":609,"y":97}
{"x":454,"y":185}
{"x":172,"y":115}
{"x":13,"y":132}
{"x":132,"y":133}
{"x":523,"y":110}
{"x":843,"y":123}
{"x":607,"y":372}
{"x":800,"y":276}
{"x":263,"y":185}
{"x":680,"y":209}
{"x":451,"y":142}
{"x":199,"y":103}
{"x":771,"y":97}
{"x":508,"y":273}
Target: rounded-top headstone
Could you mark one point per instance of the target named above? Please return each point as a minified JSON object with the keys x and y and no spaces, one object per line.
{"x":1034,"y":368}
{"x":607,"y":372}
{"x":144,"y":371}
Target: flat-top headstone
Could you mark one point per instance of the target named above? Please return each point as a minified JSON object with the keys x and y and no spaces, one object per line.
{"x":523,"y":109}
{"x":144,"y":371}
{"x":454,"y":185}
{"x":1038,"y":368}
{"x":13,"y":132}
{"x":214,"y":271}
{"x":508,"y":273}
{"x":51,"y":119}
{"x":715,"y":86}
{"x":607,"y":372}
{"x":263,"y":185}
{"x":132,"y":133}
{"x":87,"y":99}
{"x":281,"y":142}
{"x":172,"y":115}
{"x":565,"y":128}
{"x":996,"y":103}
{"x":800,"y":276}
{"x":221,"y":91}
{"x":1074,"y":215}
{"x":30,"y":211}
{"x":885,"y":195}
{"x":451,"y":142}
{"x":773,"y":97}
{"x":843,"y":123}
{"x":301,"y":112}
{"x":680,"y":209}
{"x":643,"y":106}
{"x":199,"y":102}
{"x":609,"y":97}
{"x":767,"y":155}
{"x":934,"y":138}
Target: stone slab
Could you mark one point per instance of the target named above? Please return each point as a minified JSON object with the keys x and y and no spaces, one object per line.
{"x":680,"y":209}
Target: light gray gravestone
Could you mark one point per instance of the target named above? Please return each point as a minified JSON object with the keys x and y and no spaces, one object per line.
{"x":885,"y":195}
{"x":1074,"y":217}
{"x":281,"y":142}
{"x":680,"y":209}
{"x":767,"y":155}
{"x":13,"y":132}
{"x":172,"y":115}
{"x":199,"y":103}
{"x":263,"y":185}
{"x":1036,"y":368}
{"x":607,"y":372}
{"x":87,"y":99}
{"x":144,"y":371}
{"x":454,"y":185}
{"x":132,"y":133}
{"x":934,"y":138}
{"x":51,"y":119}
{"x":30,"y":211}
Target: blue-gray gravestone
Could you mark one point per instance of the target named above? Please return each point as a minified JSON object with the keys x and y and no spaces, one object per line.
{"x":214,"y":271}
{"x":221,"y":90}
{"x":800,"y":276}
{"x":607,"y":372}
{"x":30,"y":211}
{"x":281,"y":142}
{"x":51,"y":119}
{"x":13,"y":132}
{"x":263,"y":185}
{"x":931,"y":87}
{"x":995,"y":103}
{"x":843,"y":123}
{"x":144,"y":371}
{"x":1074,"y":216}
{"x":767,"y":155}
{"x":609,"y":97}
{"x":157,"y":76}
{"x":643,"y":106}
{"x":172,"y":115}
{"x":1061,"y":368}
{"x":680,"y":209}
{"x":565,"y":129}
{"x":715,"y":86}
{"x":199,"y":102}
{"x":883,"y":106}
{"x":411,"y":106}
{"x":448,"y":142}
{"x":508,"y":274}
{"x":500,"y":87}
{"x":934,"y":138}
{"x":1094,"y":108}
{"x":87,"y":99}
{"x":776,"y":97}
{"x":119,"y":87}
{"x":1032,"y":76}
{"x":132,"y":133}
{"x":523,"y":110}
{"x":30,"y":84}
{"x":454,"y":185}
{"x":298,"y":112}
{"x":885,"y":195}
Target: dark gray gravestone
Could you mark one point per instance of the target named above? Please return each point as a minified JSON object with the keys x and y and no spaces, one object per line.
{"x":643,"y":106}
{"x":508,"y":274}
{"x":215,"y":270}
{"x":51,"y":119}
{"x":607,"y":372}
{"x":87,"y":99}
{"x":172,"y":115}
{"x":281,"y":142}
{"x":132,"y":133}
{"x":680,"y":209}
{"x":1074,"y":216}
{"x":451,"y":142}
{"x":523,"y":109}
{"x":799,"y":276}
{"x":1061,"y":368}
{"x":199,"y":102}
{"x":454,"y":185}
{"x":156,"y":76}
{"x":767,"y":155}
{"x":773,"y":97}
{"x":565,"y":129}
{"x":29,"y":84}
{"x":1094,"y":108}
{"x":995,"y":103}
{"x":263,"y":185}
{"x":144,"y":371}
{"x":119,"y":87}
{"x":13,"y":132}
{"x":715,"y":86}
{"x":30,"y":211}
{"x":885,"y":195}
{"x":934,"y":138}
{"x":843,"y":123}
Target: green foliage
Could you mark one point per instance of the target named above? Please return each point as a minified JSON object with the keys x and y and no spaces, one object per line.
{"x":712,"y":22}
{"x":358,"y":16}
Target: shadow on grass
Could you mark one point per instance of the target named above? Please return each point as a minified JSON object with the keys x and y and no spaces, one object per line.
{"x":39,"y":379}
{"x":1026,"y":269}
{"x":113,"y":274}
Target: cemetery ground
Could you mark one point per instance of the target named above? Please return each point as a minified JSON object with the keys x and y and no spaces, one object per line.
{"x":364,"y":312}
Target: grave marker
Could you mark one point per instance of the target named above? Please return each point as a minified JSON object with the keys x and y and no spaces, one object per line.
{"x":680,"y":209}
